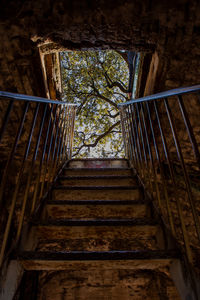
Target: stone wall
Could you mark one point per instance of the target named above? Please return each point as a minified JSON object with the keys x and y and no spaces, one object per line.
{"x":170,"y":30}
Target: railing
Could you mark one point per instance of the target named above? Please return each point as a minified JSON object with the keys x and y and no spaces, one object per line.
{"x":162,"y":138}
{"x":36,"y":138}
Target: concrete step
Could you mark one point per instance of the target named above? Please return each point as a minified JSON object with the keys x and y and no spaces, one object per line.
{"x":96,"y":209}
{"x":96,"y":229}
{"x":98,"y":163}
{"x":101,"y":180}
{"x":96,"y":193}
{"x":97,"y":171}
{"x":111,"y":260}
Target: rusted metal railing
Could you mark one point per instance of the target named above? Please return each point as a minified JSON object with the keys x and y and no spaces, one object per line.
{"x":36,"y":139}
{"x":161,"y":135}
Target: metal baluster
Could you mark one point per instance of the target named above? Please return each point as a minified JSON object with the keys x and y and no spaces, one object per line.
{"x":123,"y":131}
{"x":14,"y":198}
{"x":144,"y":148}
{"x":41,"y":163}
{"x":48,"y":155}
{"x":138,"y":142}
{"x":55,"y":148}
{"x":67,"y":136}
{"x":180,"y":156}
{"x":171,"y":169}
{"x":130,"y":135}
{"x":29,"y":177}
{"x":6,"y":119}
{"x":62,"y":157}
{"x":150,"y":156}
{"x":138,"y":165}
{"x":169,"y":211}
{"x":126,"y":131}
{"x":12,"y":152}
{"x":189,"y":129}
{"x":58,"y":150}
{"x":72,"y":132}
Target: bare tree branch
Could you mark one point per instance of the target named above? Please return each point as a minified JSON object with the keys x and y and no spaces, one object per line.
{"x":104,"y":98}
{"x":98,"y":139}
{"x":112,"y":84}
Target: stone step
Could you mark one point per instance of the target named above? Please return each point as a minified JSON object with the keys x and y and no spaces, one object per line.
{"x":96,"y":229}
{"x":101,"y":180}
{"x":96,"y":193}
{"x":99,"y":244}
{"x":98,"y":163}
{"x":96,"y":209}
{"x":97,"y":171}
{"x":111,"y":260}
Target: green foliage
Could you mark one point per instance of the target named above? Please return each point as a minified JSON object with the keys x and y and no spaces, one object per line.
{"x":97,"y":81}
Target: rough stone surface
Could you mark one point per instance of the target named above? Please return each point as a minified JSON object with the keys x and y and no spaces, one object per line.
{"x":118,"y":284}
{"x":172,"y":29}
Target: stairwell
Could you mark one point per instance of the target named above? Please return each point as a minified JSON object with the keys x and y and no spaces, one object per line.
{"x":98,"y":227}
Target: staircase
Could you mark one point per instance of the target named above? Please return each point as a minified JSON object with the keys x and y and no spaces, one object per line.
{"x":97,"y":224}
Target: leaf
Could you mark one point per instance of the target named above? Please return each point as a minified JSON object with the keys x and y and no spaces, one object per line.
{"x":95,"y":80}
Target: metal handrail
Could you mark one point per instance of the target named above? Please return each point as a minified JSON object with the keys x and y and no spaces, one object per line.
{"x":43,"y":130}
{"x":169,"y":93}
{"x":155,"y":149}
{"x":21,"y":97}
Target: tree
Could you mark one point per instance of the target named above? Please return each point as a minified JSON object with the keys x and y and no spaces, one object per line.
{"x":97,"y":81}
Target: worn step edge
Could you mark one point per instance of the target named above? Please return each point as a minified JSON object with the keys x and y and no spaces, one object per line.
{"x":99,"y":169}
{"x":98,"y":202}
{"x":111,"y":187}
{"x":70,"y":177}
{"x":96,"y":222}
{"x":103,"y":255}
